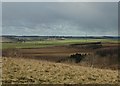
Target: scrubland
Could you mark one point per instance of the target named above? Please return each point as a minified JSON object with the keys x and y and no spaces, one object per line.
{"x":31,"y":71}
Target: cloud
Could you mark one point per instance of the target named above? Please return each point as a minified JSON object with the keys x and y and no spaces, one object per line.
{"x":63,"y":18}
{"x":60,"y":0}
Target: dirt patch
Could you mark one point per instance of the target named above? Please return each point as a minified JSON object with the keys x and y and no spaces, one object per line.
{"x":52,"y":52}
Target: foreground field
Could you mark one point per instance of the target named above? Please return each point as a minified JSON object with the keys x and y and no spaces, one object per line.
{"x":18,"y":70}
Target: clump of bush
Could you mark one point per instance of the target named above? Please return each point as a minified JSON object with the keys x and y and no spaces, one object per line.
{"x":77,"y":57}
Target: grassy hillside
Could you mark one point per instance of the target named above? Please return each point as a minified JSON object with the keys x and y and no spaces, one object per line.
{"x":18,"y":70}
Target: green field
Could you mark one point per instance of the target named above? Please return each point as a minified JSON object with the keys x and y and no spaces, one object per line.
{"x":48,"y":43}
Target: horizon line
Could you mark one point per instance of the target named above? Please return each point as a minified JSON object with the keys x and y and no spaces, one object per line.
{"x":68,"y":35}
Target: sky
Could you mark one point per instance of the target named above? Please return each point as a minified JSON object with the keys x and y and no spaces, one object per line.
{"x":59,"y":0}
{"x":60,"y":18}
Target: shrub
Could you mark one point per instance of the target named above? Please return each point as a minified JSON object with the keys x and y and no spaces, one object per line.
{"x":76,"y":57}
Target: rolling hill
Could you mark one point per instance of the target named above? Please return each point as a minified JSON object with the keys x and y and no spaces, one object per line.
{"x":30,"y":71}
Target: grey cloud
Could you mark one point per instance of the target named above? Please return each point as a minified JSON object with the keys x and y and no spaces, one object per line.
{"x":60,"y":0}
{"x":63,"y":18}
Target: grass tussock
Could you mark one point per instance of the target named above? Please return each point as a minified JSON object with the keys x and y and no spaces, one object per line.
{"x":29,"y":71}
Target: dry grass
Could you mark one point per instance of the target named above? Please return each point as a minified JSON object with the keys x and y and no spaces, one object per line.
{"x":18,"y":70}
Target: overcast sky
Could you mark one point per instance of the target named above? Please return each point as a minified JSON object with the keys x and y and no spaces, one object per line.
{"x":60,"y":0}
{"x":60,"y":18}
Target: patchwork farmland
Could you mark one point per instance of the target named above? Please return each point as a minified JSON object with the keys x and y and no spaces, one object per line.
{"x":45,"y":56}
